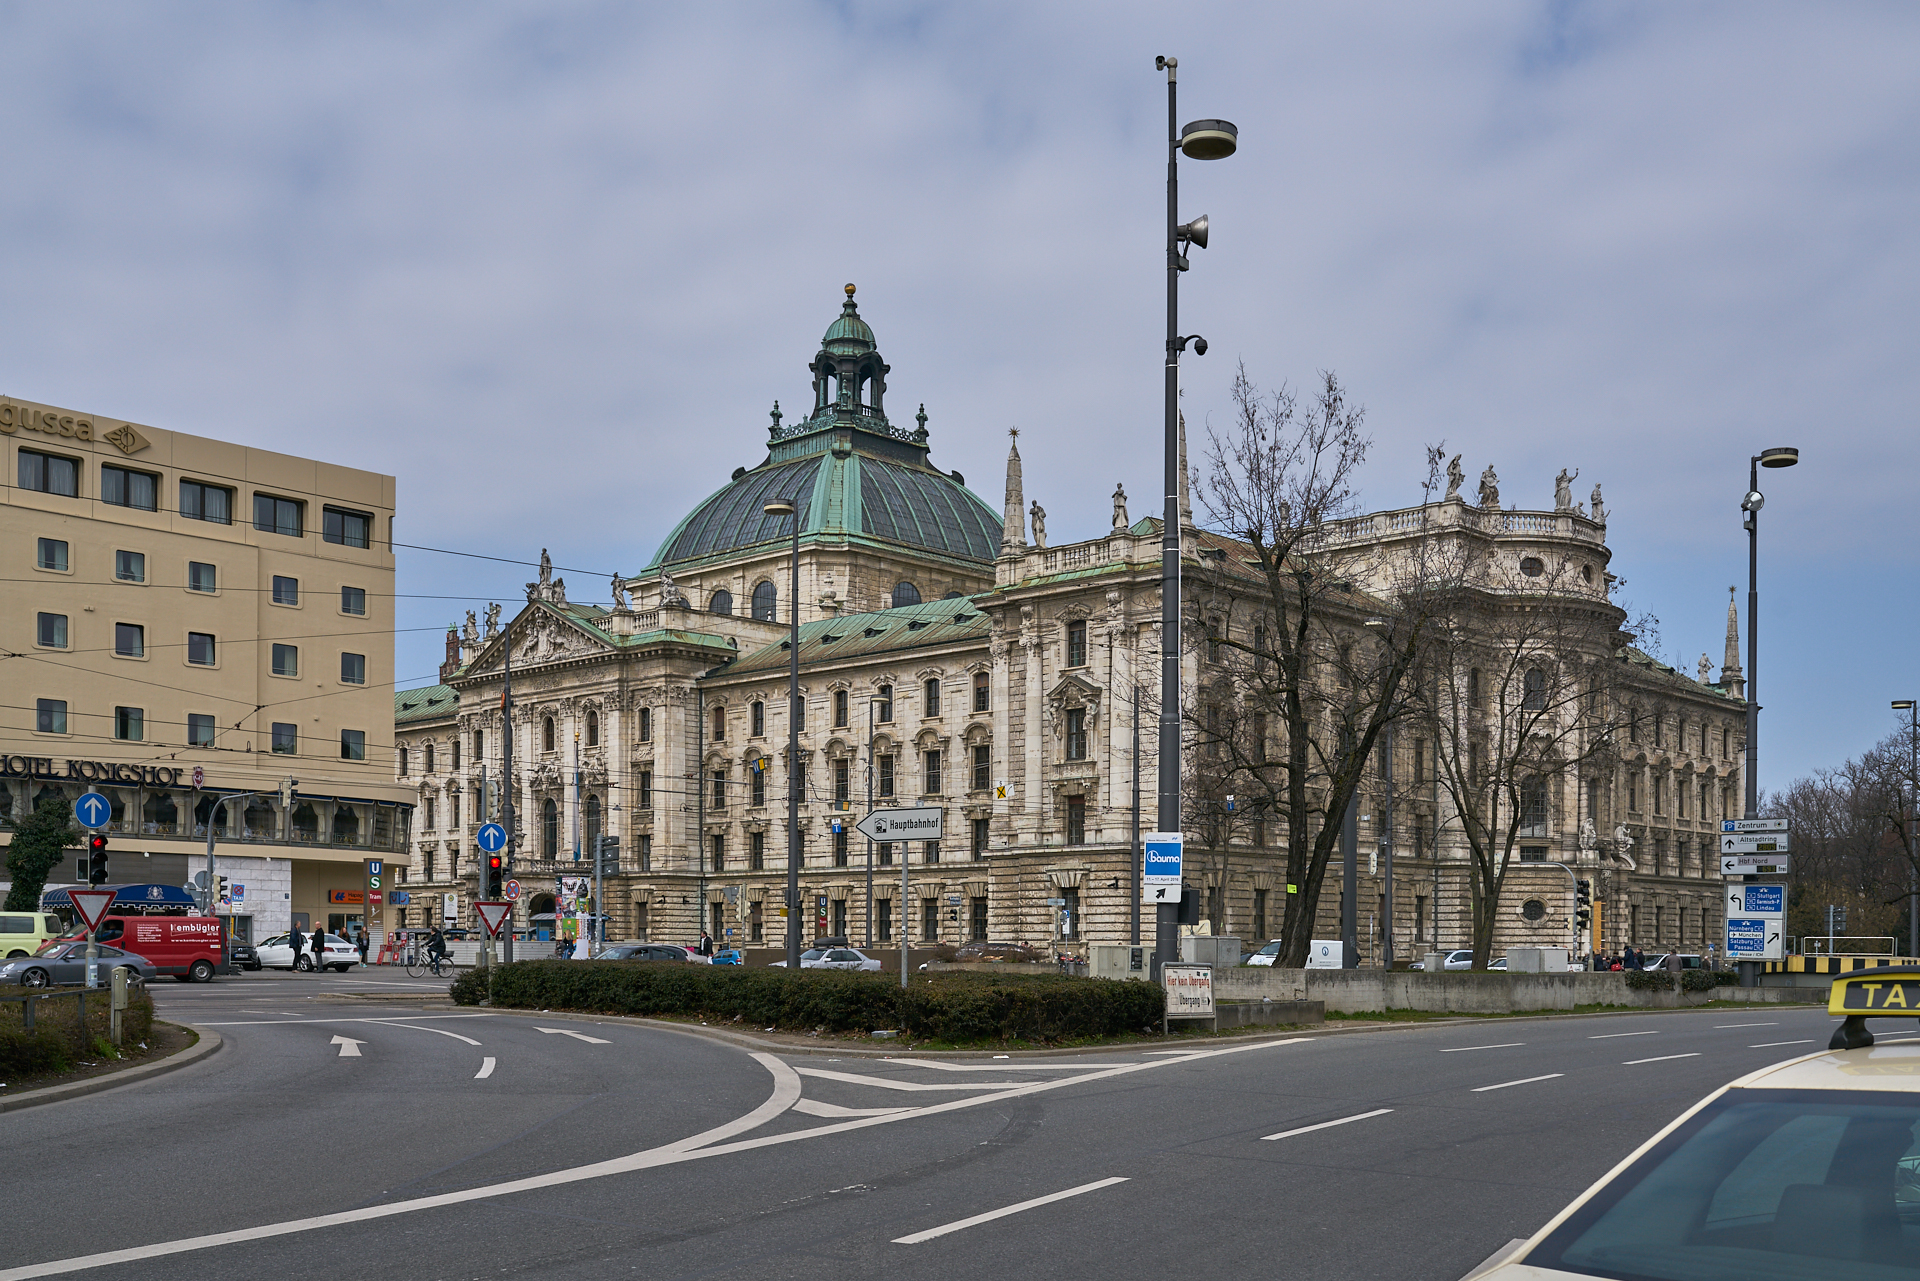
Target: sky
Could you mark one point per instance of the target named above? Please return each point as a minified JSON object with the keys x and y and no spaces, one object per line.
{"x":551,"y":264}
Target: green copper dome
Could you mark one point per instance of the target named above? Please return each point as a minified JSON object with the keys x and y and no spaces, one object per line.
{"x":848,"y":333}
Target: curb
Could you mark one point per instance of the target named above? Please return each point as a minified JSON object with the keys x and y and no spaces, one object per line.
{"x":209,"y":1042}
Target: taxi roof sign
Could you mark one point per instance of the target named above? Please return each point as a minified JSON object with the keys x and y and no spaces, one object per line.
{"x":1882,"y":992}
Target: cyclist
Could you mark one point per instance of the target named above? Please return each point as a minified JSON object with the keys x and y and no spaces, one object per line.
{"x":437,"y":948}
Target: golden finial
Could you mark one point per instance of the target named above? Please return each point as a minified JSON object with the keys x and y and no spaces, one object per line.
{"x":849,"y":290}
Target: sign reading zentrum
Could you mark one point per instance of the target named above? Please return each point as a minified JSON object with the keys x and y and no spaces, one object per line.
{"x":90,"y":771}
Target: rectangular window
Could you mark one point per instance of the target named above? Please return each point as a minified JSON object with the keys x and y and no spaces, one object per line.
{"x":129,"y":723}
{"x":1070,"y":915}
{"x":276,"y":515}
{"x":929,"y":920}
{"x":286,"y":660}
{"x":348,"y":528}
{"x":1659,"y":795}
{"x":884,"y":853}
{"x":1633,"y":796}
{"x":1419,"y":918}
{"x":1533,"y":853}
{"x":202,"y":577}
{"x":1259,"y":914}
{"x":839,"y":709}
{"x":930,"y":694}
{"x":840,"y":850}
{"x":130,"y":567}
{"x":646,"y":724}
{"x":718,"y":844}
{"x":1419,"y":760}
{"x":756,"y":853}
{"x":353,"y":669}
{"x":353,"y":600}
{"x":886,"y":776}
{"x":758,"y":774}
{"x":982,"y":767}
{"x":884,"y":712}
{"x":982,"y":698}
{"x":757,"y":720}
{"x":718,"y":780}
{"x":129,"y":640}
{"x":933,"y":773}
{"x":50,"y":715}
{"x":930,"y":851}
{"x":286,"y":738}
{"x":199,"y":729}
{"x":800,"y":712}
{"x":124,"y":488}
{"x":1077,"y":644}
{"x":646,"y":789}
{"x":453,"y":808}
{"x":977,"y":920}
{"x":883,"y":921}
{"x":353,"y":745}
{"x":1076,"y":820}
{"x":52,"y":554}
{"x":756,"y":919}
{"x":433,"y":818}
{"x":47,"y":474}
{"x":200,"y":649}
{"x":1077,"y":733}
{"x":842,"y":783}
{"x":980,"y":827}
{"x":206,"y":502}
{"x":53,"y":631}
{"x":286,"y":591}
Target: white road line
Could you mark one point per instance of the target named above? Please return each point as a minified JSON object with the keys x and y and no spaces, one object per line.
{"x":1002,"y":1213}
{"x":698,"y":1147}
{"x":301,"y":1018}
{"x":1525,"y":1080}
{"x":1718,"y":1026}
{"x":486,"y":1069}
{"x":1660,"y":1058}
{"x":1326,"y":1125}
{"x":1608,"y":1036}
{"x":349,"y":1048}
{"x":578,"y":1036}
{"x":1504,"y":1045}
{"x":888,"y":1083}
{"x":1002,"y":1067}
{"x":1768,"y":1045}
{"x":442,"y":1031}
{"x":811,"y":1108}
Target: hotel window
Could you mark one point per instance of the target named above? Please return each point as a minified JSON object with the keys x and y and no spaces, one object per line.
{"x":1077,"y":644}
{"x":130,"y":567}
{"x":200,"y":501}
{"x":982,"y":767}
{"x":646,"y":789}
{"x":53,"y":631}
{"x":50,"y":715}
{"x":1077,"y":733}
{"x":931,"y":694}
{"x":202,"y":577}
{"x":839,"y":709}
{"x":286,"y":591}
{"x":47,"y":474}
{"x":276,"y":515}
{"x":353,"y":671}
{"x":982,"y":699}
{"x":980,"y":826}
{"x":348,"y":528}
{"x":124,"y":488}
{"x":129,"y":723}
{"x":353,"y":745}
{"x":646,"y":724}
{"x":286,"y":660}
{"x":353,"y":600}
{"x":933,"y":773}
{"x":886,"y":776}
{"x":756,"y":853}
{"x":884,"y":712}
{"x":757,"y":720}
{"x":1076,"y":820}
{"x":129,"y":640}
{"x":286,"y":738}
{"x":52,"y":555}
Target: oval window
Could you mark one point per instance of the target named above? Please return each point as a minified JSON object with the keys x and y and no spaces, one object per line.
{"x":1534,"y":910}
{"x":1531,"y":566}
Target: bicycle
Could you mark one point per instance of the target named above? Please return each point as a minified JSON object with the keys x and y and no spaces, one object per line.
{"x":421,"y":963}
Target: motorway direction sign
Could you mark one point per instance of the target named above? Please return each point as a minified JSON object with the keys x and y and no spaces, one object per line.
{"x":1757,"y":900}
{"x":512,"y":890}
{"x":493,"y":916}
{"x":1753,"y":938}
{"x":922,"y":823}
{"x":92,"y":810}
{"x":491,"y":837}
{"x":91,"y":904}
{"x":1755,"y":843}
{"x":1753,"y":824}
{"x":1160,"y":873}
{"x":1753,"y":865}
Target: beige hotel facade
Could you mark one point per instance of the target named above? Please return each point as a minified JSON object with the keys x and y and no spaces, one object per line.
{"x":188,"y":623}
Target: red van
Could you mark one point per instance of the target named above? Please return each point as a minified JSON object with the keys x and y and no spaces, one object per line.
{"x":187,"y":947}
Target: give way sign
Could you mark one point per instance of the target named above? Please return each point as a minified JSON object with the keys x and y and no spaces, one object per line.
{"x":91,"y":904}
{"x":493,"y":916}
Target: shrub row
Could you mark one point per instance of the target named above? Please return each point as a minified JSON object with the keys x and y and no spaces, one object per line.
{"x":1690,"y":980}
{"x":58,"y":1039}
{"x":948,"y":1006}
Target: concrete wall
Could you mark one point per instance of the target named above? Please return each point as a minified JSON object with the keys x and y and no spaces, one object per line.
{"x":1464,"y":992}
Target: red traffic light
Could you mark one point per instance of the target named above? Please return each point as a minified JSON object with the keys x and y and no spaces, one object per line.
{"x":493,"y":863}
{"x":96,"y":843}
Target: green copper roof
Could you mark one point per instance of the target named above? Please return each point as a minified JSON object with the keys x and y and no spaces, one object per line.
{"x":930,"y":623}
{"x":848,"y":330}
{"x":430,"y":703}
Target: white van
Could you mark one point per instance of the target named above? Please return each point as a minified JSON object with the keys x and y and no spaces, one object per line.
{"x":22,"y":933}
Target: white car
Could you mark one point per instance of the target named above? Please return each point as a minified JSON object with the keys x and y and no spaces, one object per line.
{"x":1268,"y":955}
{"x":841,"y":958}
{"x":1803,"y":1171}
{"x":1461,"y":958}
{"x":277,"y":953}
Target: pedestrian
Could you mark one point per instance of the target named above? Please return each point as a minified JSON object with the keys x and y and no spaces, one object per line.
{"x":1674,"y":964}
{"x":364,"y":938}
{"x":319,"y":949}
{"x":706,"y":944}
{"x":299,"y":941}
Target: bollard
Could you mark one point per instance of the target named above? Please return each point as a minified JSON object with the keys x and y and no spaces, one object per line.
{"x":117,"y":1003}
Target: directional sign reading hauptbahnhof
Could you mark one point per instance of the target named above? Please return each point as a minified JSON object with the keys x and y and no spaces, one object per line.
{"x":922,"y":823}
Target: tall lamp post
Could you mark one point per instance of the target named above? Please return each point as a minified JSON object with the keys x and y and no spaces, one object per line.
{"x":1912,"y":710}
{"x":1200,"y":140}
{"x":1751,"y":505}
{"x":793,"y":745}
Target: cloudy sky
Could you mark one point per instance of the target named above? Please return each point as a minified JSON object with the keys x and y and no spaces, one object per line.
{"x":550,"y":264}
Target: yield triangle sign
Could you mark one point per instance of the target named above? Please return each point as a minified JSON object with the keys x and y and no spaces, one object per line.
{"x":91,"y":904}
{"x":493,"y":916}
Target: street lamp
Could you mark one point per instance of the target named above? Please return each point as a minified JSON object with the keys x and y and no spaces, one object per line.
{"x":793,"y":745}
{"x":1751,"y":505}
{"x":1912,"y":710}
{"x":1200,"y":140}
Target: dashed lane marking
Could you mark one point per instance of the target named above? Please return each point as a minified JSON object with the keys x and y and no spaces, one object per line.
{"x":1525,"y":1080}
{"x":1504,"y":1045}
{"x":1326,"y":1125}
{"x":917,"y":1237}
{"x":1768,"y":1045}
{"x":811,"y":1108}
{"x":1660,"y":1058}
{"x":1718,"y":1026}
{"x":1608,"y":1036}
{"x":486,"y":1069}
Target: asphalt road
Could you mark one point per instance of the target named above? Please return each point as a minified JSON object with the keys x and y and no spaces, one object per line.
{"x":463,"y":1144}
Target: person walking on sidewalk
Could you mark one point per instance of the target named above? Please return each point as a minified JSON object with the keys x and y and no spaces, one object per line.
{"x":299,"y":941}
{"x":365,"y":938}
{"x":319,"y":949}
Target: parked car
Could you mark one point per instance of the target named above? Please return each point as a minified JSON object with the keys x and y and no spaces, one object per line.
{"x":807,"y":958}
{"x":62,"y":961}
{"x":278,"y":952}
{"x":1459,"y":959}
{"x":1268,"y":955}
{"x":22,"y":933}
{"x":841,"y":958}
{"x":1688,"y":961}
{"x":645,"y":952}
{"x":243,"y":955}
{"x":729,"y":956}
{"x":1011,"y":952}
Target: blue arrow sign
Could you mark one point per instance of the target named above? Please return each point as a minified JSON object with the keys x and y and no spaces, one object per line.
{"x":93,"y":810}
{"x":492,"y":837}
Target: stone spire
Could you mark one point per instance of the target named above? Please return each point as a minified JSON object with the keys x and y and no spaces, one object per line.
{"x":1013,"y":533}
{"x":1186,"y":497}
{"x":1730,"y":673}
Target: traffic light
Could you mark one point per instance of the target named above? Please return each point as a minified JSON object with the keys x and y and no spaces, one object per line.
{"x":493,"y":876}
{"x":221,"y":891}
{"x":607,"y":854}
{"x":1583,"y":905}
{"x":289,"y":789}
{"x":97,"y":859}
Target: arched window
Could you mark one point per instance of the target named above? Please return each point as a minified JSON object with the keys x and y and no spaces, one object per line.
{"x":549,"y":830}
{"x":764,"y":600}
{"x":722,"y":602}
{"x":592,"y":820}
{"x":646,"y":724}
{"x":840,"y":709}
{"x":546,"y":735}
{"x":479,"y":745}
{"x":719,"y":724}
{"x":905,"y":593}
{"x":429,"y":758}
{"x":593,"y":729}
{"x":1536,"y":696}
{"x":454,"y":743}
{"x":403,"y":764}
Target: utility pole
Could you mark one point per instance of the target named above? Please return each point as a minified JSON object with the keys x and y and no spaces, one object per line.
{"x":1386,"y":844}
{"x":579,"y":936}
{"x":506,"y":776}
{"x":1134,"y":937}
{"x":869,"y":811}
{"x":700,"y":803}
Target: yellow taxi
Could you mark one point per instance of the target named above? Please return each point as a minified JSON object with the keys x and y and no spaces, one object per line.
{"x":1808,"y":1170}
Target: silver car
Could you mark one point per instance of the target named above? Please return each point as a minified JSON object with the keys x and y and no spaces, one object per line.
{"x":841,"y":958}
{"x":66,"y":963}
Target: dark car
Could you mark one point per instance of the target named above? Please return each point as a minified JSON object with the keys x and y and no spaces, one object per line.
{"x":243,"y":955}
{"x":59,"y":963}
{"x":644,"y":952}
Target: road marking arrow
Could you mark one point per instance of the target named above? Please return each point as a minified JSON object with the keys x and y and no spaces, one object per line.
{"x":578,"y":1036}
{"x":349,"y":1048}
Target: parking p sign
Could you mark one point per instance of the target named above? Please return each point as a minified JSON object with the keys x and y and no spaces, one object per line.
{"x":1160,"y":872}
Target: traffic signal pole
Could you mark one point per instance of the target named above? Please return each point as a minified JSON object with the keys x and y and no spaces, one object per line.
{"x":506,"y":778}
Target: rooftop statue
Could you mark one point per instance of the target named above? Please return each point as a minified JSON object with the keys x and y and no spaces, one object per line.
{"x":1120,"y":520}
{"x":1489,"y":490}
{"x":1563,"y":490}
{"x":1599,"y":512}
{"x":1038,"y":515}
{"x":1454,"y":478}
{"x":493,"y":620}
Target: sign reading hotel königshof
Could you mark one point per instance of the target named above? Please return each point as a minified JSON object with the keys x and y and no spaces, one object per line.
{"x":90,"y":771}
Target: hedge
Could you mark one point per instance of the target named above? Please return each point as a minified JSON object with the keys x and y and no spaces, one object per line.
{"x":1690,"y":980}
{"x":58,"y":1040}
{"x":963,"y":1006}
